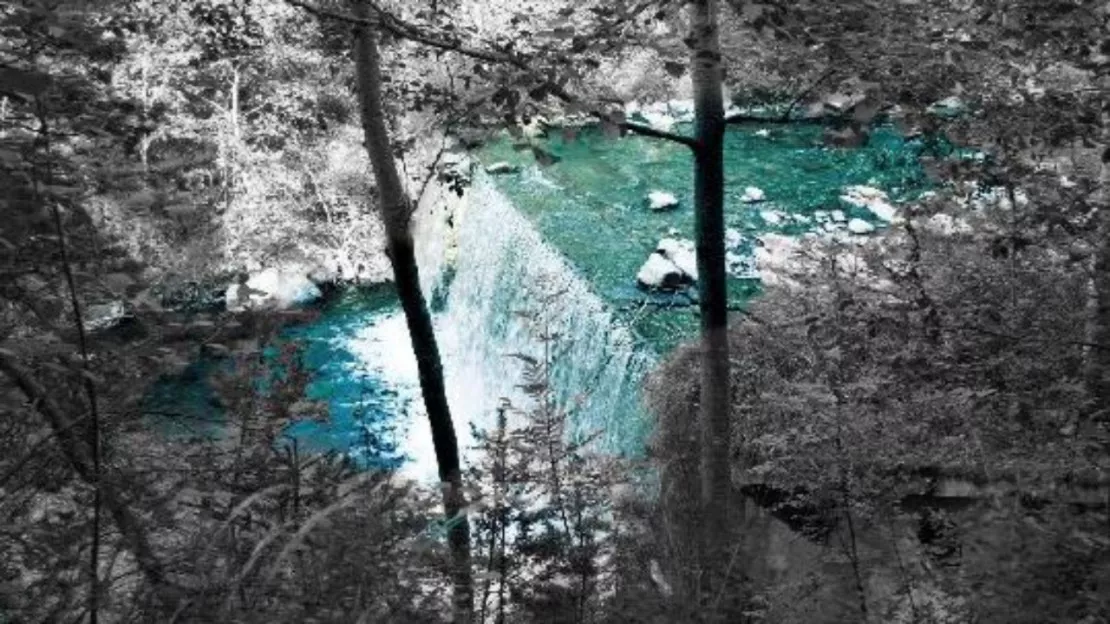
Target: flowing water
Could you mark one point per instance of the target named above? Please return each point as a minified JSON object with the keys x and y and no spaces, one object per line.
{"x":554,"y":251}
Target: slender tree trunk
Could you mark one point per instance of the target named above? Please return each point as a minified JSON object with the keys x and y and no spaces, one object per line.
{"x":396,"y":212}
{"x":713,"y":409}
{"x":1097,"y":374}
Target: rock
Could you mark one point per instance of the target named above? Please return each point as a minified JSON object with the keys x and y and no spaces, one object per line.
{"x":753,"y":195}
{"x":859,"y":226}
{"x":502,"y":168}
{"x":776,"y":257}
{"x":843,"y":102}
{"x":838,"y":216}
{"x":658,"y":116}
{"x":671,"y":266}
{"x":682,"y":254}
{"x":948,"y":107}
{"x":535,"y":128}
{"x":851,"y":136}
{"x":948,"y":225}
{"x":763,"y":133}
{"x":659,"y":273}
{"x":741,"y":266}
{"x":872,"y":199}
{"x":272,"y":288}
{"x":661,"y":200}
{"x":772,"y":217}
{"x":100,"y":316}
{"x":733,"y":238}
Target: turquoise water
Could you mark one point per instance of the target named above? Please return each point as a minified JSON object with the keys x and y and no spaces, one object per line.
{"x":364,"y":403}
{"x":363,"y":408}
{"x":591,"y":203}
{"x":590,"y":209}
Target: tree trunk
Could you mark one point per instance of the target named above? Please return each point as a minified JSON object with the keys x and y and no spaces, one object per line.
{"x":713,"y":409}
{"x":396,"y":213}
{"x":1097,"y":373}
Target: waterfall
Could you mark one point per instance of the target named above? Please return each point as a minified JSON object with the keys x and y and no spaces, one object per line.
{"x":497,"y":271}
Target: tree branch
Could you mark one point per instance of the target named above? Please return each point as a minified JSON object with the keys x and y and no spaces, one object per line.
{"x":648,"y":131}
{"x":400,"y":28}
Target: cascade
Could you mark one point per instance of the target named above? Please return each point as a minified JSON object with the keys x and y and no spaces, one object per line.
{"x":505,"y":286}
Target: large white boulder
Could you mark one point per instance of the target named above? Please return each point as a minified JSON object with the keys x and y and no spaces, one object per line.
{"x":272,"y":289}
{"x":682,"y":253}
{"x":661,"y":200}
{"x":659,"y":273}
{"x":672,"y":265}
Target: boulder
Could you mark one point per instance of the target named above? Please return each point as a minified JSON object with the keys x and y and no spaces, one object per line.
{"x":661,"y":200}
{"x":753,"y":195}
{"x":673,"y":265}
{"x":659,"y":273}
{"x":840,"y":103}
{"x":733,"y":238}
{"x":763,"y":133}
{"x":100,"y":316}
{"x":682,"y":254}
{"x":872,"y":199}
{"x":772,"y":217}
{"x":850,"y":136}
{"x":951,"y":106}
{"x":502,"y":168}
{"x":859,"y":226}
{"x":272,"y":289}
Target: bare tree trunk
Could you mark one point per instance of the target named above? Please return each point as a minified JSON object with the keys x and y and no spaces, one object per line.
{"x":1097,"y":374}
{"x":396,"y":212}
{"x":713,"y":409}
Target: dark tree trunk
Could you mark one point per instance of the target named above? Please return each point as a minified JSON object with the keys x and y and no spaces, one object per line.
{"x":396,"y":212}
{"x":713,"y":409}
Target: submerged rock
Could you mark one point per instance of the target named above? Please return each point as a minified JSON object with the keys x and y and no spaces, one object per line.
{"x":272,"y":289}
{"x":502,"y":168}
{"x":661,"y":200}
{"x":851,"y":136}
{"x":753,"y":195}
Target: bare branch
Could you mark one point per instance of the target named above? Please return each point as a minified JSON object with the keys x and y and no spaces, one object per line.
{"x":648,"y":131}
